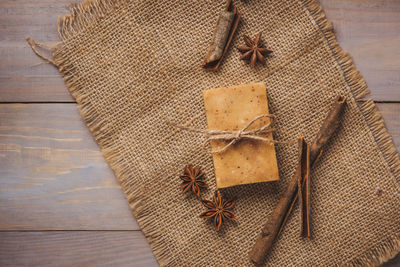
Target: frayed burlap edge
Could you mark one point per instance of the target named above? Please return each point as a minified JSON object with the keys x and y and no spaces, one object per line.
{"x":373,"y":118}
{"x":84,"y":14}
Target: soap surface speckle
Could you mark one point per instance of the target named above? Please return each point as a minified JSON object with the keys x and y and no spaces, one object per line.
{"x":248,"y":161}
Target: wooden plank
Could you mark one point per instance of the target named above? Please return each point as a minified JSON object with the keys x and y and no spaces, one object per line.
{"x":23,"y":76}
{"x":369,"y":30}
{"x":391,"y":115}
{"x":52,"y":174}
{"x":395,"y":262}
{"x":87,"y":248}
{"x":34,"y":89}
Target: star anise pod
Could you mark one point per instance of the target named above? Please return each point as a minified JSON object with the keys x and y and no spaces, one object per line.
{"x":254,"y":50}
{"x":192,"y":180}
{"x":219,"y":209}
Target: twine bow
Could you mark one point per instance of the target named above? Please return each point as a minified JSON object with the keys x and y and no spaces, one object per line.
{"x":236,"y":135}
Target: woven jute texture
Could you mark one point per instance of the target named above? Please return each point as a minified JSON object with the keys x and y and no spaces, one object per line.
{"x":133,"y":66}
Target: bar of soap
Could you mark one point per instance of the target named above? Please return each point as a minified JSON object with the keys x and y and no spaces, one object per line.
{"x":248,"y":161}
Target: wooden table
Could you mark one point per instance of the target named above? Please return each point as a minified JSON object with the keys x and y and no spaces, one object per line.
{"x":60,"y":203}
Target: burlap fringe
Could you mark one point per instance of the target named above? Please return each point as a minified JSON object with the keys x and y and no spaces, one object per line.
{"x":86,"y":13}
{"x":83,"y":15}
{"x":389,"y":249}
{"x":378,"y":255}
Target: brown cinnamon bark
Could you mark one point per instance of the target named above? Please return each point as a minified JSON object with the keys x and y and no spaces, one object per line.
{"x":281,"y":212}
{"x":303,"y":187}
{"x":227,"y":24}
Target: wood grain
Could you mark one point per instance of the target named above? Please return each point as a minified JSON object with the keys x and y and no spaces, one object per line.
{"x":126,"y":248}
{"x":369,"y":30}
{"x":23,"y":76}
{"x":52,"y":174}
{"x":391,"y":115}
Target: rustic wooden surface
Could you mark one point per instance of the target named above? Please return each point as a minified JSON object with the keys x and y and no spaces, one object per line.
{"x":73,"y":248}
{"x":60,"y":203}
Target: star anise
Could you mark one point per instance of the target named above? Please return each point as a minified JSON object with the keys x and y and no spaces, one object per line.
{"x":192,"y":180}
{"x":254,"y":50}
{"x":219,"y":209}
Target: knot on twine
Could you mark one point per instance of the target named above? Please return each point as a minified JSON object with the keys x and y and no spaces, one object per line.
{"x":236,"y":135}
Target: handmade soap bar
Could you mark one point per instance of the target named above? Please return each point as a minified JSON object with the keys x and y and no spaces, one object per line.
{"x":247,"y":161}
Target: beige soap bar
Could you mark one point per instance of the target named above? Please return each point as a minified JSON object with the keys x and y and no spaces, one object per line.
{"x":248,"y":161}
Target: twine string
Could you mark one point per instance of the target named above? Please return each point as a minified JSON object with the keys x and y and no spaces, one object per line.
{"x":235,"y":136}
{"x":34,"y":44}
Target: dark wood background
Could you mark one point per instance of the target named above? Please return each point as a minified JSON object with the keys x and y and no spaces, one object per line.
{"x":60,"y":203}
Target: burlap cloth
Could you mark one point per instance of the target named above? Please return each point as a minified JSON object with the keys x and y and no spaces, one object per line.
{"x":135,"y":65}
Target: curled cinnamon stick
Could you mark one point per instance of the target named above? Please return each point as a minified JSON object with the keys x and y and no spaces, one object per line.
{"x":224,"y":24}
{"x":281,"y":212}
{"x":227,"y":24}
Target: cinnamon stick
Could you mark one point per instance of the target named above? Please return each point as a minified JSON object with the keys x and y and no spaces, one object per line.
{"x":303,"y":187}
{"x":279,"y":215}
{"x":302,"y":172}
{"x":227,"y":24}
